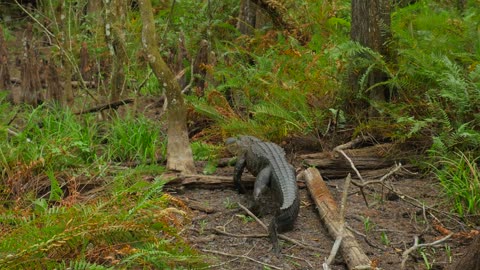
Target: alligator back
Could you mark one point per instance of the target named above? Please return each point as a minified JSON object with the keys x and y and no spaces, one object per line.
{"x":261,"y":154}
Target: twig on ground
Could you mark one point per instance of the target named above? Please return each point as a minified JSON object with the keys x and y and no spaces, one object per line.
{"x":338,"y":241}
{"x":302,"y":259}
{"x":241,"y":256}
{"x":281,"y":236}
{"x":253,"y":216}
{"x":221,"y":264}
{"x":217,"y":230}
{"x":229,"y":261}
{"x":416,"y":245}
{"x":365,"y":237}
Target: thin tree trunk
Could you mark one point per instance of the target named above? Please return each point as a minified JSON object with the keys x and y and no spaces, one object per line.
{"x":179,"y":153}
{"x":370,"y":28}
{"x":4,"y":72}
{"x":118,"y":19}
{"x":31,"y":84}
{"x":67,"y":67}
{"x":246,"y":18}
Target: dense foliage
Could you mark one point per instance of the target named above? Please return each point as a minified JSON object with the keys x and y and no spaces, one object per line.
{"x":269,"y":84}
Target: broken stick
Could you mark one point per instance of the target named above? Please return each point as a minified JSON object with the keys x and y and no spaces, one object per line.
{"x":351,"y":251}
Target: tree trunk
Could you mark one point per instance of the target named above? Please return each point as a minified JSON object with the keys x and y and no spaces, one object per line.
{"x":54,"y":88}
{"x":200,"y":65}
{"x":31,"y":84}
{"x":4,"y":72}
{"x":117,"y":18}
{"x":370,"y":27}
{"x":179,"y":153}
{"x":246,"y":18}
{"x":67,"y":66}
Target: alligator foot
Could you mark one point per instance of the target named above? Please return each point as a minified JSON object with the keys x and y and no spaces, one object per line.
{"x":254,"y":208}
{"x":274,"y":239}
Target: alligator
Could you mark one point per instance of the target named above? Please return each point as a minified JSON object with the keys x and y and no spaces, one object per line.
{"x":267,"y":161}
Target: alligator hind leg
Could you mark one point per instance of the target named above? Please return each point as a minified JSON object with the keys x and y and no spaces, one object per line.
{"x":261,"y":183}
{"x":274,"y":237}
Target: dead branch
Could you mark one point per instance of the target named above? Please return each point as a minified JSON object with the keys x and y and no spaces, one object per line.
{"x":338,"y":241}
{"x":350,"y":144}
{"x":351,"y":251}
{"x":253,"y":216}
{"x":241,"y":256}
{"x":216,"y":230}
{"x":357,"y":172}
{"x":381,"y":180}
{"x":112,"y":105}
{"x":416,"y":245}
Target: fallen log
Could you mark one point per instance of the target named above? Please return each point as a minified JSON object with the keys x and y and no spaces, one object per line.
{"x":351,"y":251}
{"x":113,"y":105}
{"x":205,"y":181}
{"x":209,"y":181}
{"x":375,"y":159}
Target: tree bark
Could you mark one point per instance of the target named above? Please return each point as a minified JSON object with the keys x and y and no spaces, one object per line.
{"x":327,"y":208}
{"x":179,"y":153}
{"x":370,"y":28}
{"x":68,"y":97}
{"x":375,"y":160}
{"x":30,"y":74}
{"x":206,"y":181}
{"x":4,"y":71}
{"x":117,"y":19}
{"x":246,"y":18}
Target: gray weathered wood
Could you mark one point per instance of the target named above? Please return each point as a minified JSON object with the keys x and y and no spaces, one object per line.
{"x":376,"y":159}
{"x":329,"y":213}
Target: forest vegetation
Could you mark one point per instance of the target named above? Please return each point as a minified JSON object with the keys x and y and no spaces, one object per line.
{"x":88,"y":101}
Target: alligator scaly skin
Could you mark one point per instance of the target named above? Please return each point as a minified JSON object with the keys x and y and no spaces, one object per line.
{"x":268,"y":163}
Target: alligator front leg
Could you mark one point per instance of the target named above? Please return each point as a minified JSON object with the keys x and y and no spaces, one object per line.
{"x":237,"y":174}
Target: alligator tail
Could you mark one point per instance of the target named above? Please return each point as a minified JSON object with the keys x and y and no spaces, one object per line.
{"x":286,"y":218}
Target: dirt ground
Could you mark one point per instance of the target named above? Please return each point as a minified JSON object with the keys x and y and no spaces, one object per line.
{"x":384,"y":230}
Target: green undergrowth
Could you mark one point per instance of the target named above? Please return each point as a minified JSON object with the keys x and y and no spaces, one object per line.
{"x":49,"y":164}
{"x":135,"y":226}
{"x":459,"y":176}
{"x":286,"y":92}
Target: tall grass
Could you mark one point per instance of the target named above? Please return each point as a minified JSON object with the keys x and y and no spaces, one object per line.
{"x":132,"y":138}
{"x":460,"y":179}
